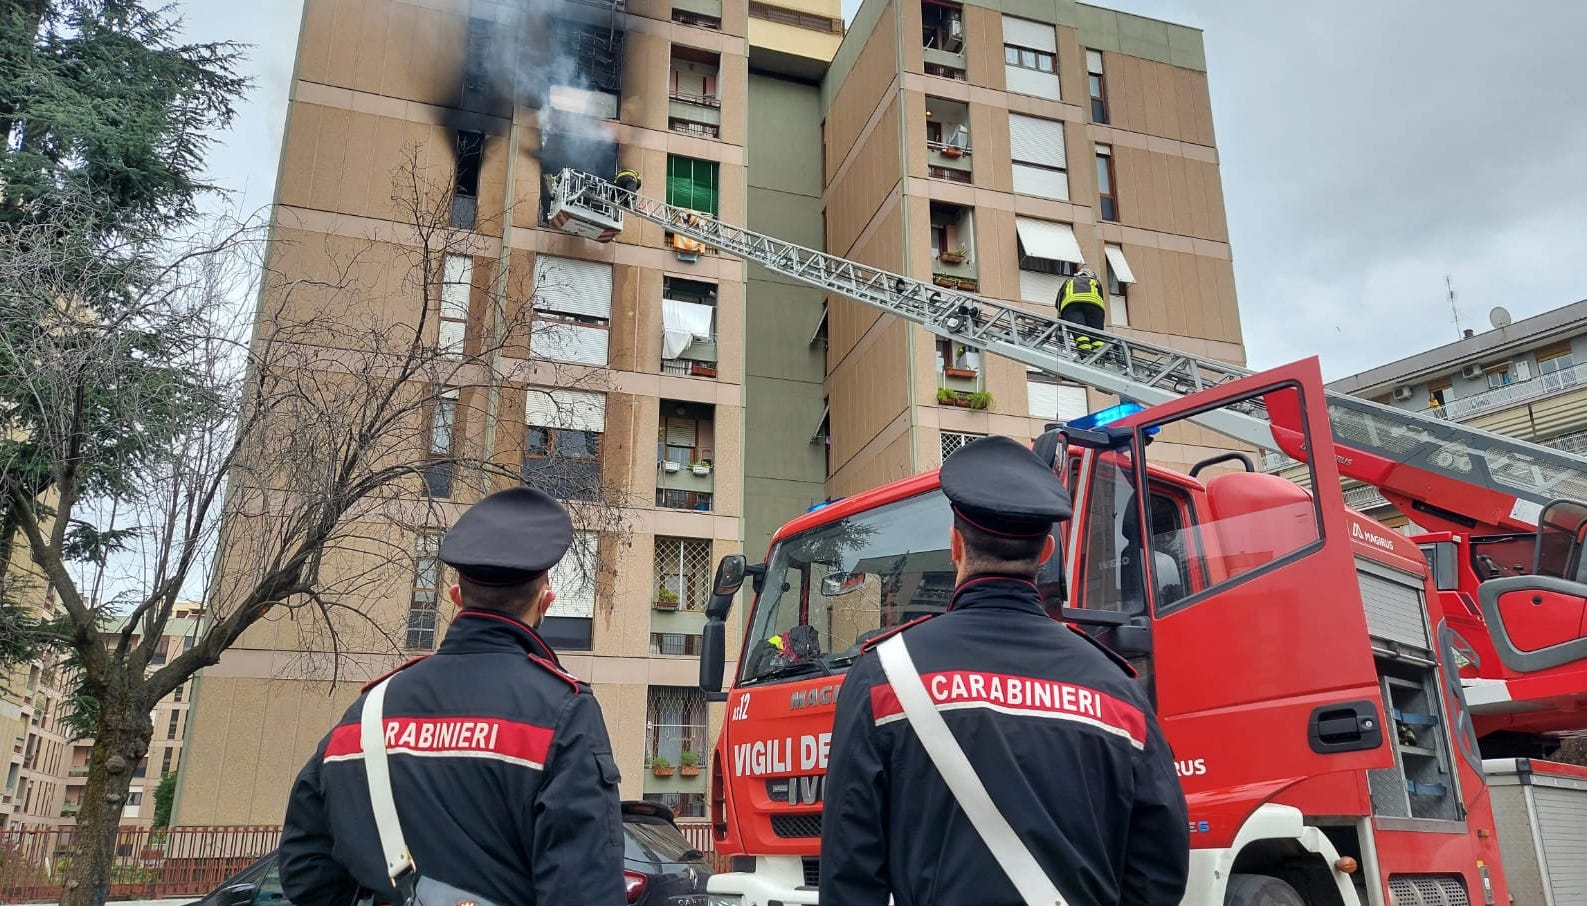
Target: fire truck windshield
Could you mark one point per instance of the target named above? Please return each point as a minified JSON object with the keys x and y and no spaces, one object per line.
{"x":830,"y":588}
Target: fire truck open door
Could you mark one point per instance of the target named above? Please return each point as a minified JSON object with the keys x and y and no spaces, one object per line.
{"x":1235,"y":595}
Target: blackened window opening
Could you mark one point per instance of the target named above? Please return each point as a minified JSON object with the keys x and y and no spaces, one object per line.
{"x":596,"y":53}
{"x":476,"y":66}
{"x":465,"y":191}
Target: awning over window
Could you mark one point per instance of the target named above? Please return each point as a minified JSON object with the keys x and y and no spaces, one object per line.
{"x":1045,"y":239}
{"x":1121,"y":267}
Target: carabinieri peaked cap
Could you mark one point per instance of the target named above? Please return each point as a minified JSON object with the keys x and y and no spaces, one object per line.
{"x":508,"y":537}
{"x":1001,"y":488}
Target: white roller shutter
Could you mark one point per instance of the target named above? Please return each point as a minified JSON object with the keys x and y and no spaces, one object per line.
{"x":570,"y":286}
{"x":1026,"y":33}
{"x":1040,"y":288}
{"x":572,"y":410}
{"x":1051,"y":401}
{"x":1072,"y":402}
{"x":1093,"y":62}
{"x":1046,"y":239}
{"x":573,"y":578}
{"x":1040,"y":181}
{"x":1036,"y":84}
{"x":1121,"y":267}
{"x":457,"y":279}
{"x":450,"y":339}
{"x":1036,"y":141}
{"x":681,"y":432}
{"x":569,"y":343}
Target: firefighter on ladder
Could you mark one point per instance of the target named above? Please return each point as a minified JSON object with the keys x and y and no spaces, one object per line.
{"x":627,"y":179}
{"x":1080,"y":302}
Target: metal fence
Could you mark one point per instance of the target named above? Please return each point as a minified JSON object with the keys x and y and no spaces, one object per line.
{"x":149,"y":863}
{"x":698,"y":833}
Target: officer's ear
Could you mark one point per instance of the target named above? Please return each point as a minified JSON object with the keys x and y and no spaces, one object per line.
{"x":455,"y":595}
{"x":1048,"y":548}
{"x":955,"y":546}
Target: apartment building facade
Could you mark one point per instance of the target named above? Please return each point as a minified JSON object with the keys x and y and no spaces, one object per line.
{"x":1526,"y":379}
{"x":760,"y":397}
{"x":997,"y":147}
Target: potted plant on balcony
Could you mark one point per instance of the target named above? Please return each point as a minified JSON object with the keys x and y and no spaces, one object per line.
{"x":955,"y":257}
{"x":945,"y":396}
{"x":701,"y":468}
{"x":968,"y":284}
{"x":980,"y":399}
{"x":670,"y":466}
{"x":666,"y":599}
{"x":660,"y":766}
{"x":688,"y":765}
{"x":702,"y":369}
{"x":952,"y":152}
{"x":952,"y":371}
{"x":945,"y":281}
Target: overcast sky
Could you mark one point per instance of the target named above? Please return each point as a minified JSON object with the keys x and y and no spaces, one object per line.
{"x":1368,"y":149}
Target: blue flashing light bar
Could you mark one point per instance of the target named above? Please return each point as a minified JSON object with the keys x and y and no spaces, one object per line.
{"x":1104,"y":417}
{"x":823,"y":504}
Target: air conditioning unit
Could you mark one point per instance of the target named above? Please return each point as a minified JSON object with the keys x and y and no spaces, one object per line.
{"x":1471,"y":372}
{"x":955,"y":40}
{"x":1401,"y":394}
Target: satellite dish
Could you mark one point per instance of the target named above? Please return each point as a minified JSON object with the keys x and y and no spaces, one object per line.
{"x":1500,"y":318}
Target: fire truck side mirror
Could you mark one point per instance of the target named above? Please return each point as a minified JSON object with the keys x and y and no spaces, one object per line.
{"x":713,"y":659}
{"x":729,"y":579}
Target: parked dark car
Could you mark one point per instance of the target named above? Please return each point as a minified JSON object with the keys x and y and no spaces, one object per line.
{"x":660,"y":866}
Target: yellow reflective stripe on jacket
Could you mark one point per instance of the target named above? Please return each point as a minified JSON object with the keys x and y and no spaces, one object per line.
{"x":1091,"y":293}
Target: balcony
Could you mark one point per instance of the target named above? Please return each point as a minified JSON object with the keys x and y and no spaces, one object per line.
{"x":1546,"y":384}
{"x":948,"y":139}
{"x":688,"y":328}
{"x":942,"y":36}
{"x":693,"y":107}
{"x":685,"y":462}
{"x":953,"y":246}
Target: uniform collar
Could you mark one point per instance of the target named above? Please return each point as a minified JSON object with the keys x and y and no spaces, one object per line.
{"x":475,"y":631}
{"x":991,"y":590}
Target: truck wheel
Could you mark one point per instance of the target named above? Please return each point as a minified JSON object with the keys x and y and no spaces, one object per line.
{"x":1260,"y":890}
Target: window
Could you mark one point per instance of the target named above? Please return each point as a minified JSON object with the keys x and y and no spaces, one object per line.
{"x":170,"y":730}
{"x":1040,"y":165}
{"x":176,"y":695}
{"x":165,"y":762}
{"x":685,"y":434}
{"x":570,"y":620}
{"x":1051,"y":401}
{"x":1030,"y":58}
{"x":465,"y":192}
{"x":688,"y":337}
{"x":443,"y":421}
{"x":683,"y":572}
{"x":160,"y":652}
{"x":573,"y":309}
{"x":1025,"y":58}
{"x":596,"y":53}
{"x":563,"y":439}
{"x":675,"y":723}
{"x":773,"y":13}
{"x":135,"y":798}
{"x":457,"y":283}
{"x":683,"y":805}
{"x":958,"y":356}
{"x":1107,"y":188}
{"x":426,"y":593}
{"x":1097,"y":84}
{"x":674,"y":643}
{"x":1119,"y":279}
{"x":1498,"y":377}
{"x":1438,"y":394}
{"x":476,"y":69}
{"x":953,"y":441}
{"x":1048,"y":253}
{"x":693,"y":76}
{"x":692,"y":183}
{"x":1557,"y":365}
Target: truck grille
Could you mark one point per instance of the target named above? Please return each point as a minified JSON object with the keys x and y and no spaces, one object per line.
{"x":812,"y":871}
{"x":796,"y":825}
{"x":1425,"y":890}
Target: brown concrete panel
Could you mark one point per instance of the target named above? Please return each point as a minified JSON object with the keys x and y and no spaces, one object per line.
{"x":992,"y":161}
{"x":983,"y":34}
{"x":1179,"y":195}
{"x":330,"y":154}
{"x":730,"y":331}
{"x":1212,"y":190}
{"x":867,"y":391}
{"x":369,"y":53}
{"x":317,"y":40}
{"x":733,"y":77}
{"x":1072,"y":69}
{"x":874,"y":71}
{"x":889,"y":464}
{"x":647,"y":59}
{"x":298,"y":147}
{"x":914,"y":140}
{"x":345,"y":28}
{"x":735,"y":19}
{"x":996,"y":253}
{"x":871,"y":176}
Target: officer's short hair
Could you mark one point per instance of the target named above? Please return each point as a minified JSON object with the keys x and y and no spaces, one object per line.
{"x":508,"y":599}
{"x":986,"y":552}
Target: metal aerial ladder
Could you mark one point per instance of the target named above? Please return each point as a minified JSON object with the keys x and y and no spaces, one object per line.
{"x":1450,"y":474}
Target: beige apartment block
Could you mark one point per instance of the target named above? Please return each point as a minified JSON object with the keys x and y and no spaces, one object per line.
{"x":33,"y":702}
{"x":996,"y":147}
{"x":719,"y":399}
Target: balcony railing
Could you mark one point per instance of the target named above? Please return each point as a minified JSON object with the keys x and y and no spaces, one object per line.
{"x":1512,"y":394}
{"x":701,"y":100}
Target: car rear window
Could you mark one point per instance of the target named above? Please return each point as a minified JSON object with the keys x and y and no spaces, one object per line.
{"x":654,"y":840}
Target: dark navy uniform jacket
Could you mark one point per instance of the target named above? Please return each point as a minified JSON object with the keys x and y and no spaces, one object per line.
{"x":1059,"y":733}
{"x":502,"y":773}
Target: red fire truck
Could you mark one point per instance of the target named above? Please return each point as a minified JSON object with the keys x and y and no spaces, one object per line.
{"x":1303,"y":663}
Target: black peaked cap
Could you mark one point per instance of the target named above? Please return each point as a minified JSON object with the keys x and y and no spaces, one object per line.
{"x":998,"y":486}
{"x":508,"y":537}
